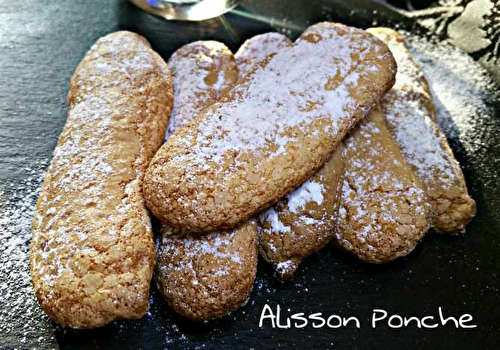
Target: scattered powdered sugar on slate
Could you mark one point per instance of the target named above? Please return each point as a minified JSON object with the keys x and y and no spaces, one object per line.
{"x":22,"y":321}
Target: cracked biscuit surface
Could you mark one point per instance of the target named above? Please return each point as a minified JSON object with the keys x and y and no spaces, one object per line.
{"x":411,"y":119}
{"x":384,"y":211}
{"x":275,"y":128}
{"x":208,"y":275}
{"x":92,"y":251}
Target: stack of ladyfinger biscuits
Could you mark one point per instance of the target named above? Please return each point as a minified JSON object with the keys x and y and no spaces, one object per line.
{"x":275,"y":151}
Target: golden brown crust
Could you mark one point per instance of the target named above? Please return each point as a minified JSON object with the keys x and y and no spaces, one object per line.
{"x":384,"y":210}
{"x":411,"y":118}
{"x":92,"y":251}
{"x":303,"y":222}
{"x":204,"y":276}
{"x":208,"y":275}
{"x":203,"y":71}
{"x":260,"y":142}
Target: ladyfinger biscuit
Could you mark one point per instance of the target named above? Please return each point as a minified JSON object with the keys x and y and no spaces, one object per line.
{"x":92,"y":252}
{"x":204,"y":276}
{"x":384,"y":210}
{"x":257,"y":48}
{"x":207,"y":275}
{"x":303,"y":221}
{"x":202,"y":71}
{"x":411,"y":118}
{"x":271,"y":132}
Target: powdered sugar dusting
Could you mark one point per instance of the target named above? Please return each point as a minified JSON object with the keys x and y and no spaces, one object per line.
{"x":193,"y":270}
{"x":257,"y":48}
{"x":253,"y":51}
{"x":202,"y":71}
{"x":283,"y":267}
{"x":411,"y":119}
{"x":270,"y":215}
{"x":217,"y":246}
{"x":191,"y":65}
{"x":81,"y":172}
{"x":303,"y":221}
{"x":309,"y":191}
{"x":294,"y":204}
{"x":381,"y":199}
{"x":249,"y":124}
{"x":209,"y":275}
{"x":415,"y":131}
{"x":90,"y":213}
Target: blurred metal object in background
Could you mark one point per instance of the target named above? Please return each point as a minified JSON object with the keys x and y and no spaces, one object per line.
{"x":186,"y":10}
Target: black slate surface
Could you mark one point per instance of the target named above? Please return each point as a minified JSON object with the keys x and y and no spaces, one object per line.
{"x":41,"y":42}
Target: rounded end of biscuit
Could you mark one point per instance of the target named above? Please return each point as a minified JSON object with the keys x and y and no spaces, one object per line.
{"x":457,"y":214}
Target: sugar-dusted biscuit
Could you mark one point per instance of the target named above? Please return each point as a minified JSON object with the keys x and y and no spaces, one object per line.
{"x":303,"y":221}
{"x":257,"y":48}
{"x":202,"y":71}
{"x":204,"y":276}
{"x":207,"y":275}
{"x":92,"y":252}
{"x":274,"y":129}
{"x":411,"y":118}
{"x":384,"y":210}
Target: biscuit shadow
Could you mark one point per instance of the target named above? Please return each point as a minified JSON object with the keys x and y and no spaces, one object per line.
{"x":356,"y":265}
